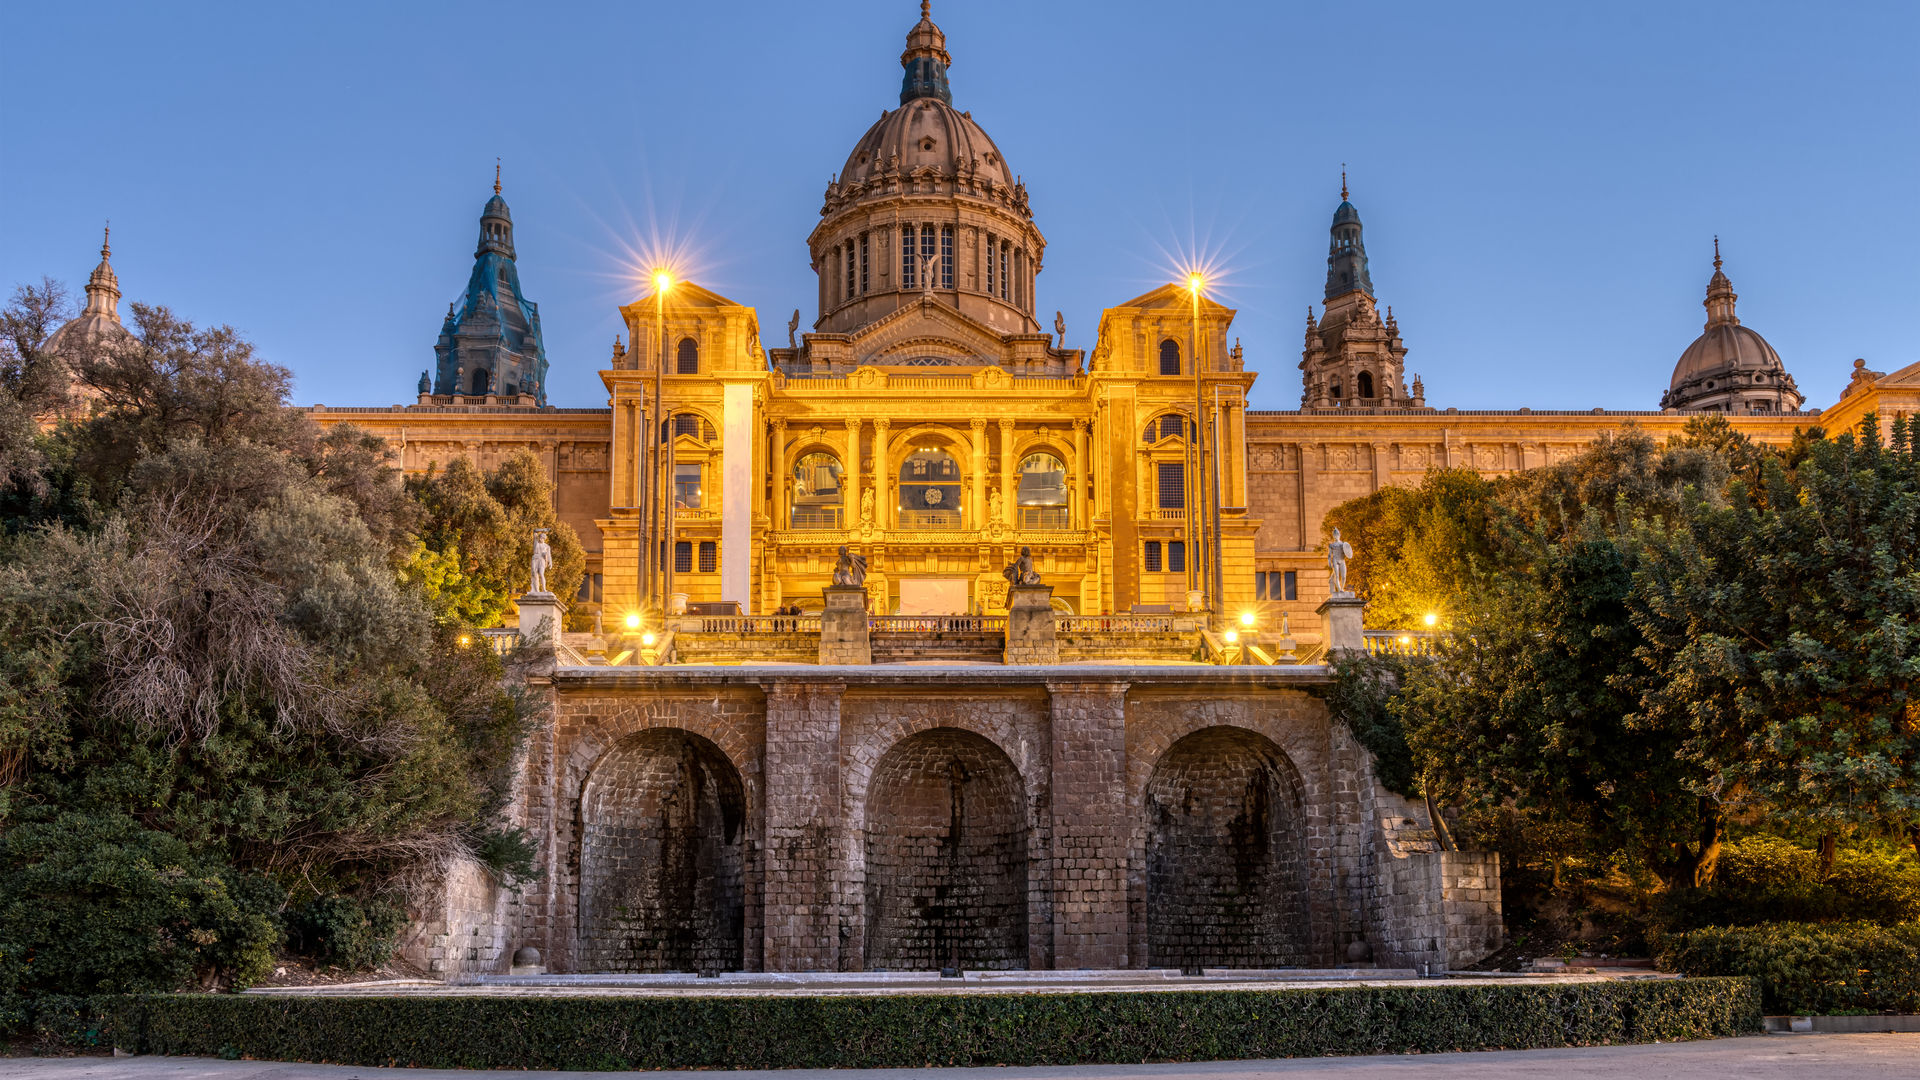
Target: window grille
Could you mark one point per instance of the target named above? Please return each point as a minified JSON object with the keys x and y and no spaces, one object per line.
{"x":1173,"y":485}
{"x":863,"y":264}
{"x":683,"y":556}
{"x":848,"y":260}
{"x":689,"y":357}
{"x":946,"y":256}
{"x":992,"y":246}
{"x":1152,"y":562}
{"x":709,"y":556}
{"x":1177,"y":556}
{"x":907,"y":259}
{"x":927,"y":251}
{"x":1169,"y":357}
{"x":1172,"y":425}
{"x":1006,"y":255}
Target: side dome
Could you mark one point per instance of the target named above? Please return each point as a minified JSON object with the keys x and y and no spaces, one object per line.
{"x":98,"y":324}
{"x":1729,"y":367}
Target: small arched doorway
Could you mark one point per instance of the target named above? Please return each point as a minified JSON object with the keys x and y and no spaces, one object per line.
{"x":1225,"y":855}
{"x":946,"y":856}
{"x":662,"y":858}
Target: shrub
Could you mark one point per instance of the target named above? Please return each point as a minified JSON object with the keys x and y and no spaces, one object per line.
{"x":913,"y":1031}
{"x":1765,"y":879}
{"x":1809,"y":969}
{"x":98,"y":904}
{"x":345,"y":932}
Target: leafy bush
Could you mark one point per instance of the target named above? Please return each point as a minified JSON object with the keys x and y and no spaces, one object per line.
{"x":914,"y":1031}
{"x":345,"y":932}
{"x":1362,"y":697}
{"x":1766,"y":879}
{"x":1808,"y":969}
{"x":99,"y":904}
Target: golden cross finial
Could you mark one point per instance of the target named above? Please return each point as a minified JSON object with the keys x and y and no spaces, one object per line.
{"x":496,"y":176}
{"x":1343,"y":181}
{"x":1716,"y":253}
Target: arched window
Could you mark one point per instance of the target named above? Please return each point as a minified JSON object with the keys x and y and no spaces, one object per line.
{"x":693,"y":424}
{"x":929,"y":490}
{"x":1336,"y":393}
{"x":816,"y":491}
{"x":1041,"y":497}
{"x":689,"y":357}
{"x":1364,"y":384}
{"x":1169,"y":357}
{"x":482,"y":379}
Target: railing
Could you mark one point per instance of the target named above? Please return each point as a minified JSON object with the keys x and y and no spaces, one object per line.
{"x":816,"y":383}
{"x":816,"y":517}
{"x":1399,"y":642}
{"x":691,"y":514}
{"x":1044,"y":517}
{"x":747,"y":624}
{"x":503,"y":640}
{"x":1165,"y":513}
{"x":1114,"y":624}
{"x":938,"y":624}
{"x":929,"y":382}
{"x":930,"y":519}
{"x":1049,"y":382}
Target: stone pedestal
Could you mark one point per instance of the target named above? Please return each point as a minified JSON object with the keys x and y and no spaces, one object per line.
{"x":539,"y":618}
{"x":1030,"y":635}
{"x":843,"y":626}
{"x":1340,"y":618}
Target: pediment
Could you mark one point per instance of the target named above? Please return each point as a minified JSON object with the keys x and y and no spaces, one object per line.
{"x":1905,"y":378}
{"x":924,"y":334}
{"x":684,"y":296}
{"x":1173,"y":297}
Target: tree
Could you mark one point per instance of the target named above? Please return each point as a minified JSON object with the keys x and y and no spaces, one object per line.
{"x":1419,"y":550}
{"x":32,"y":383}
{"x":475,"y":538}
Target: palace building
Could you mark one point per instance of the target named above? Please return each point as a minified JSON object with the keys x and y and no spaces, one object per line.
{"x":744,"y":786}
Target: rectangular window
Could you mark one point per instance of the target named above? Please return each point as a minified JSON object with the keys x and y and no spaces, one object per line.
{"x":946,"y":256}
{"x":992,"y":246}
{"x":586,"y":588}
{"x":709,"y":556}
{"x":1177,"y":556}
{"x":1260,"y":585}
{"x":1173,"y":485}
{"x":928,"y":252}
{"x":1292,"y":587}
{"x":686,"y":487}
{"x":1006,"y":253}
{"x":863,"y":264}
{"x":848,"y":259}
{"x":907,"y":257}
{"x":599,"y":582}
{"x":683,"y":556}
{"x":1153,"y":557}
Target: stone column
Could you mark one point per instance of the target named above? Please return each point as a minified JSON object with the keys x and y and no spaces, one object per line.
{"x":977,"y":505}
{"x":1009,"y":513}
{"x":737,"y":484}
{"x":882,"y":489}
{"x":1089,"y":764}
{"x":804,"y":828}
{"x":782,"y":477}
{"x":1078,"y":501}
{"x":850,"y":477}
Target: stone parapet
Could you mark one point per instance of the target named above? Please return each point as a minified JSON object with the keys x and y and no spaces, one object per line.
{"x":843,"y":626}
{"x":1030,"y":626}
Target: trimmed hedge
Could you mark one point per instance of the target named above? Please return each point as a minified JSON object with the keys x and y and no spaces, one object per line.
{"x":901,"y":1031}
{"x":1809,"y":969}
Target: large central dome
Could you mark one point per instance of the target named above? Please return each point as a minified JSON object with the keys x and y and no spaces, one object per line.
{"x":926,"y":209}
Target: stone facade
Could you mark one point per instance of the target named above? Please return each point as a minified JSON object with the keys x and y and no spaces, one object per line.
{"x":796,"y":819}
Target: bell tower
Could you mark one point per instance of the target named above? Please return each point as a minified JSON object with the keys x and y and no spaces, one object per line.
{"x":1353,"y":357}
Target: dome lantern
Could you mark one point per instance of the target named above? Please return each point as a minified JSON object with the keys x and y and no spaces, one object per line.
{"x":1729,"y":368}
{"x":925,"y":60}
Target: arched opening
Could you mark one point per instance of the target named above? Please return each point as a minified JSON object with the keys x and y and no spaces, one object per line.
{"x":1041,"y":494}
{"x":816,"y":491}
{"x":1226,"y":873}
{"x":946,"y":853}
{"x":1363,"y":385}
{"x":1169,"y":357}
{"x":481,"y":380}
{"x":929,"y":490}
{"x":688,"y":361}
{"x":662,"y":858}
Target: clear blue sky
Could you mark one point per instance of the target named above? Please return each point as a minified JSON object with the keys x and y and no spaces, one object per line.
{"x":1540,"y":182}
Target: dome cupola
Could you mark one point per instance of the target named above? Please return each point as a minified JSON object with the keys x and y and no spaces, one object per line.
{"x":496,"y":223}
{"x":926,"y":61}
{"x":98,"y":324}
{"x":1729,"y":367}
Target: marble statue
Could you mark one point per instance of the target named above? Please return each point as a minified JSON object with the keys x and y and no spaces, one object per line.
{"x":1020,"y":571}
{"x":542,"y":561}
{"x":793,"y":326}
{"x":866,"y":506}
{"x":851,"y":569}
{"x":994,"y":505}
{"x":1060,"y":329}
{"x":1338,"y":552}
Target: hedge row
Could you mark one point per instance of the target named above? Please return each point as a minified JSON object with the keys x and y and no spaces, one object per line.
{"x":898,"y":1031}
{"x":1809,"y":969}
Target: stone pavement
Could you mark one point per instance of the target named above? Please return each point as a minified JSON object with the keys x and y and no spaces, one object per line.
{"x":1762,"y":1057}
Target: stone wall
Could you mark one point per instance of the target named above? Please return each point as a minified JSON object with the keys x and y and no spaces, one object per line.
{"x":930,"y":816}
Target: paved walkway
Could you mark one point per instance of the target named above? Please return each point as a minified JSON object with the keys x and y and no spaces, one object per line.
{"x":1763,"y":1057}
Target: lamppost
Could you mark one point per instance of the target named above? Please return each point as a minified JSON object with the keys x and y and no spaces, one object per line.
{"x":661,"y":493}
{"x":1206,"y":556}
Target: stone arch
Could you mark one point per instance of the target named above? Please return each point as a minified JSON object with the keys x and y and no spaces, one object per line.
{"x":945,"y":842}
{"x":663,"y":857}
{"x":1225,"y":860}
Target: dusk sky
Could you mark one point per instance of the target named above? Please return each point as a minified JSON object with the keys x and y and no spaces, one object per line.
{"x":1540,"y":183}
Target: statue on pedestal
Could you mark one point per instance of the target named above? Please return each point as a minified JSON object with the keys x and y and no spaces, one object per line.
{"x":866,"y":506}
{"x":1020,"y":571}
{"x":542,"y":561}
{"x":1338,"y":552}
{"x":851,"y":569}
{"x":994,"y":506}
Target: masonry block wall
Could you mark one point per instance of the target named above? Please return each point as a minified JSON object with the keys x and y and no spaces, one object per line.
{"x":699,"y":819}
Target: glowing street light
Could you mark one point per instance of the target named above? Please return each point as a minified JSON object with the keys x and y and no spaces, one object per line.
{"x":633,"y":621}
{"x":1431,"y":619}
{"x":662,"y":280}
{"x":1246,"y":619}
{"x":647,"y":639}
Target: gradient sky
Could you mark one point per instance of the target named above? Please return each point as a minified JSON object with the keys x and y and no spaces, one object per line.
{"x":1540,"y":182}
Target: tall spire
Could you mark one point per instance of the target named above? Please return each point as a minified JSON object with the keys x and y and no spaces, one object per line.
{"x":1343,"y":181}
{"x":1346,"y":252}
{"x":496,"y":176}
{"x":925,"y":60}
